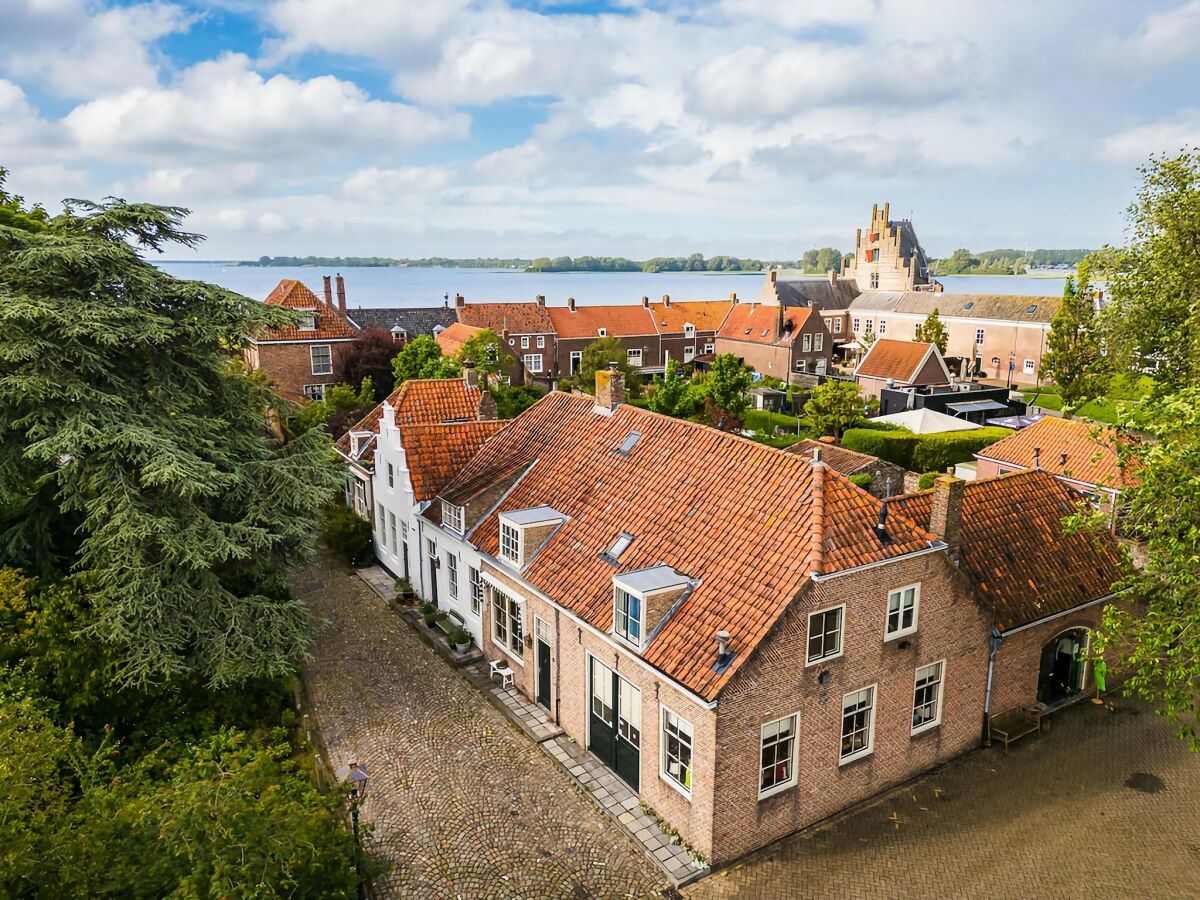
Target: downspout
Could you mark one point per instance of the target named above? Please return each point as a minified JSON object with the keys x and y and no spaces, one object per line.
{"x":557,"y":667}
{"x":420,"y":558}
{"x":994,"y":641}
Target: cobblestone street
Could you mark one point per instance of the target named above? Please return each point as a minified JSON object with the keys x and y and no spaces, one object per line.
{"x":1104,"y":805}
{"x":463,"y":804}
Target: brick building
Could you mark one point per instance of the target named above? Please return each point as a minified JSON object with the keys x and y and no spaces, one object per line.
{"x":789,"y":343}
{"x":830,"y":295}
{"x":524,"y":327}
{"x":452,"y":338}
{"x":687,"y":329}
{"x":303,"y":360}
{"x":900,"y":364}
{"x":887,"y":256}
{"x":577,"y":327}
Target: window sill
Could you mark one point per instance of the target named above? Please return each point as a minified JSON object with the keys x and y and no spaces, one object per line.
{"x":776,"y":790}
{"x":897,"y":635}
{"x":861,"y":754}
{"x":824,"y":659}
{"x":504,"y":649}
{"x":675,"y":786}
{"x":925,"y":729}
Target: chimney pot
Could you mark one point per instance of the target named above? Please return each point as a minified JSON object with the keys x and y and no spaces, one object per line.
{"x":945,"y":513}
{"x":646,"y":302}
{"x":341,"y":294}
{"x":1037,"y":457}
{"x":666,"y":300}
{"x":571,"y":304}
{"x":459,"y":301}
{"x":733,"y":297}
{"x":328,"y":283}
{"x":1062,"y":460}
{"x":541,"y":299}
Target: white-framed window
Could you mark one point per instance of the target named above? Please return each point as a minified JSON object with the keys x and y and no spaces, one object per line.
{"x":510,"y":542}
{"x":392,"y":529}
{"x":308,"y":322}
{"x":902,"y":608}
{"x":1029,"y":366}
{"x":314,"y":392}
{"x":533,"y":362}
{"x":476,"y":591}
{"x":634,"y":356}
{"x":689,"y":353}
{"x":927,"y":697}
{"x":801,"y":365}
{"x":874,"y":279}
{"x":818,"y":341}
{"x":777,"y":759}
{"x":431,"y":548}
{"x":689,"y":330}
{"x":524,"y":342}
{"x":452,"y":575}
{"x":452,"y":516}
{"x":855,"y":325}
{"x":321,"y":357}
{"x":837,"y":325}
{"x":677,"y":752}
{"x":858,"y":724}
{"x":883,"y":326}
{"x":382,"y":525}
{"x":709,"y":348}
{"x":627,"y":616}
{"x":507,"y":630}
{"x":806,"y":343}
{"x":978,"y":335}
{"x":871,"y":326}
{"x":576,"y":361}
{"x":541,"y":341}
{"x":603,"y":332}
{"x":391,"y":475}
{"x":825,"y":634}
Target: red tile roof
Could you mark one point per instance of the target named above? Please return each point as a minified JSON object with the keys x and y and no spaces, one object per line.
{"x":419,"y":401}
{"x":1015,"y":550}
{"x":751,"y":523}
{"x":586,"y":321}
{"x":452,"y":338}
{"x":758,"y":323}
{"x":843,"y":461}
{"x":901,"y":360}
{"x":1090,"y":457}
{"x":435,"y":453}
{"x":706,"y":315}
{"x":516,"y":318}
{"x":292,"y":294}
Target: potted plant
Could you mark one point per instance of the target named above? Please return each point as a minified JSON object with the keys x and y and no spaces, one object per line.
{"x":429,"y":613}
{"x":460,"y":639}
{"x":404,"y":592}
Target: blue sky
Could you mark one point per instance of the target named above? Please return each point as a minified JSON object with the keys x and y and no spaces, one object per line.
{"x":633,"y":127}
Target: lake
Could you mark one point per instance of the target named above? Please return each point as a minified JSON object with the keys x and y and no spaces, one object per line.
{"x":429,"y":287}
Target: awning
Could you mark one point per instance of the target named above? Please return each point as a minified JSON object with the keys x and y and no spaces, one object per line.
{"x":976,"y":406}
{"x":1015,"y":422}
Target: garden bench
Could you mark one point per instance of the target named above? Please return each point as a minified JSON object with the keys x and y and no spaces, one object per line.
{"x":1012,"y":724}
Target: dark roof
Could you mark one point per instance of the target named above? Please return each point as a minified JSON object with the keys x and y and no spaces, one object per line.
{"x":526,"y":317}
{"x":1005,"y":307}
{"x":414,"y":320}
{"x":817,"y":292}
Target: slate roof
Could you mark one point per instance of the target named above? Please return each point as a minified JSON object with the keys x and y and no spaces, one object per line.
{"x":748,"y":521}
{"x":414,"y":320}
{"x":901,"y":360}
{"x":586,"y":321}
{"x":1006,"y":307}
{"x":1090,"y":459}
{"x":758,"y":323}
{"x":706,"y":315}
{"x":841,"y":460}
{"x":527,"y":317}
{"x":816,"y":292}
{"x":419,"y":401}
{"x":435,"y":453}
{"x":1015,"y":550}
{"x":293,"y":294}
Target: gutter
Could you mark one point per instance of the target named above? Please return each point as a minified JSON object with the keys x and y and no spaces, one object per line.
{"x":934,"y":547}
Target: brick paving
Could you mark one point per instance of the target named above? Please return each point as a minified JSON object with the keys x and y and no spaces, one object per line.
{"x":463,"y":804}
{"x":1104,"y":805}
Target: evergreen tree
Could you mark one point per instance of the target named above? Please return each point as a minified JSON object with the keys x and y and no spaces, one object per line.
{"x":932,"y":331}
{"x":133,"y":447}
{"x":1075,"y":359}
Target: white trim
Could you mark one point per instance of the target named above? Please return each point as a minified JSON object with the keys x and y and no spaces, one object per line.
{"x":934,"y":547}
{"x":841,"y":635}
{"x":916,"y":610}
{"x":941,"y":694}
{"x":342,"y":340}
{"x":870,"y":748}
{"x":663,"y":709}
{"x":1059,"y":615}
{"x":795,"y":777}
{"x":511,"y":654}
{"x":641,"y":617}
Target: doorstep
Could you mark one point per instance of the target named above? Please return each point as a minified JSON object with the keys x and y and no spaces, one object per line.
{"x":526,"y":715}
{"x":383,"y":583}
{"x":616,"y":798}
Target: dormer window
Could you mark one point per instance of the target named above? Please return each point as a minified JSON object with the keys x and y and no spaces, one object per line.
{"x":359,"y":441}
{"x":627,"y":616}
{"x":689,"y":330}
{"x":603,"y":332}
{"x":308,"y":322}
{"x":524,"y":531}
{"x":642,"y":599}
{"x":510,"y":543}
{"x":452,"y":516}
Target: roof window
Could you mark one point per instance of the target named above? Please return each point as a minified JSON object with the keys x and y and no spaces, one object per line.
{"x":627,"y":444}
{"x":1032,"y":309}
{"x":620,"y":545}
{"x":970,"y":304}
{"x":747,"y":331}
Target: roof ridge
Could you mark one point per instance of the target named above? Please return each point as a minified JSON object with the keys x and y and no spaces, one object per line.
{"x":816,"y":548}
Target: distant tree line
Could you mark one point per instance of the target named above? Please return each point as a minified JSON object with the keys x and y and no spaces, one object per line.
{"x":694,"y":263}
{"x":1003,"y":262}
{"x":383,"y":262}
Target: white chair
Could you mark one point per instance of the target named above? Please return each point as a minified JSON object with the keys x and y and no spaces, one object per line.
{"x":502,"y":669}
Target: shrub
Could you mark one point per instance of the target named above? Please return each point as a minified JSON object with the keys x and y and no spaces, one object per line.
{"x":348,"y":535}
{"x":458,"y":635}
{"x":927,"y":480}
{"x":893,"y":446}
{"x":937,"y":452}
{"x":863,"y":479}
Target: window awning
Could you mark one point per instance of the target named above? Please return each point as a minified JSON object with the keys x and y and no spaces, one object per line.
{"x":976,"y":406}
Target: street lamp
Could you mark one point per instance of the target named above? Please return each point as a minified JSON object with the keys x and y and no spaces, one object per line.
{"x":354,"y":776}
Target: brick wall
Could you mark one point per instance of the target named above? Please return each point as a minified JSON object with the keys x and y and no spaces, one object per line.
{"x":1018,"y":661}
{"x":290,"y":366}
{"x":776,"y":683}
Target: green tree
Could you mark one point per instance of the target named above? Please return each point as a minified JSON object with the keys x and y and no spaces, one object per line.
{"x":15,"y":214}
{"x":598,"y":355}
{"x":486,"y":350}
{"x":672,"y":391}
{"x":370,"y":356}
{"x":829,"y":258}
{"x":728,"y":391}
{"x":422,"y":357}
{"x":833,"y":407}
{"x":342,"y":402}
{"x":133,"y":448}
{"x":1075,"y":360}
{"x":932,"y":331}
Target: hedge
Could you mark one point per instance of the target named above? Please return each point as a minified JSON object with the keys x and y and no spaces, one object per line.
{"x":923,"y":452}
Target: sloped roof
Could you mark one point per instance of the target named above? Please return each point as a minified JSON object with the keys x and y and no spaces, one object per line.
{"x":1011,"y":307}
{"x":927,"y":421}
{"x":840,"y":459}
{"x":293,"y":294}
{"x":816,"y":292}
{"x":435,"y":453}
{"x":419,"y":401}
{"x":586,"y":321}
{"x":527,"y":317}
{"x":758,"y":323}
{"x":901,"y":360}
{"x":1015,"y":550}
{"x":706,"y":315}
{"x":1089,"y":459}
{"x":413,"y":320}
{"x":454,"y":336}
{"x":750,"y":522}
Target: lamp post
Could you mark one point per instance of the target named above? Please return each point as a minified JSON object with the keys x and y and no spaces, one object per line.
{"x":354,"y":776}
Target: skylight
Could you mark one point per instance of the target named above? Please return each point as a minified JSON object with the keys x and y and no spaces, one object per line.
{"x":620,"y":545}
{"x":630,"y":440}
{"x":1032,"y":309}
{"x":970,"y":304}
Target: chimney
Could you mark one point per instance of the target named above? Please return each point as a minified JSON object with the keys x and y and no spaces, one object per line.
{"x":772,"y":277}
{"x":816,"y":454}
{"x":937,"y":287}
{"x":667,"y":301}
{"x":1062,"y":459}
{"x":341,"y":292}
{"x":488,"y":412}
{"x":733,"y":297}
{"x":470,"y":373}
{"x":945,"y":513}
{"x":610,"y":389}
{"x":459,"y":302}
{"x":1037,"y":457}
{"x":881,"y":531}
{"x":833,"y":276}
{"x":541,"y":299}
{"x":724,"y":657}
{"x":571,"y":304}
{"x":328,"y":290}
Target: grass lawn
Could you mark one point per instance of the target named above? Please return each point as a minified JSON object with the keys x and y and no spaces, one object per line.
{"x":1123,"y":390}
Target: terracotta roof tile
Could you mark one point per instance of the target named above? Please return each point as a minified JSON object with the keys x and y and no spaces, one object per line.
{"x":586,"y":321}
{"x":843,"y":461}
{"x":1015,"y":550}
{"x":292,"y":294}
{"x":517,"y":318}
{"x":706,"y":315}
{"x":435,"y":453}
{"x":1089,"y":457}
{"x":452,"y":338}
{"x":888,"y":358}
{"x":737,"y":515}
{"x":758,"y":323}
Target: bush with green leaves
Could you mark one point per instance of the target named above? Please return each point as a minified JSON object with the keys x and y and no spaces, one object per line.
{"x":927,"y":480}
{"x":938,"y":452}
{"x":348,"y":535}
{"x":894,"y":446}
{"x":863,"y":480}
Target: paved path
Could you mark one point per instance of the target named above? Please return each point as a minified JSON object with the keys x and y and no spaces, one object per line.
{"x":1107,"y":804}
{"x":464,"y":805}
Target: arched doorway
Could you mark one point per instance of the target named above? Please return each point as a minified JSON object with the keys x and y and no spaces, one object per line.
{"x":1064,"y":664}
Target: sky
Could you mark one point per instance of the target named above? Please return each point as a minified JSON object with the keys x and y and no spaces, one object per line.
{"x":628,"y":127}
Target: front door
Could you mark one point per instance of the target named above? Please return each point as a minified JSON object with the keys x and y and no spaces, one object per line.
{"x":543,"y":664}
{"x":433,"y":592}
{"x":615,"y":734}
{"x":1062,"y":670}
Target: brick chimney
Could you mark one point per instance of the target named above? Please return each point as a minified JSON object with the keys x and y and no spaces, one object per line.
{"x":667,"y":300}
{"x":571,"y":304}
{"x":772,"y":277}
{"x":328,"y":290}
{"x":488,"y":411}
{"x":646,"y":302}
{"x":470,"y":373}
{"x":341,"y":292}
{"x":459,"y":302}
{"x":610,"y":389}
{"x":541,"y":299}
{"x":937,"y":287}
{"x":945,"y":513}
{"x":833,"y":276}
{"x":733,"y":297}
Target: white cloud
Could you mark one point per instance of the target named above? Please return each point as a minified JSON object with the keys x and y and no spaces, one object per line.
{"x":395,"y":184}
{"x":1166,"y":35}
{"x":390,"y":30}
{"x":1170,"y":135}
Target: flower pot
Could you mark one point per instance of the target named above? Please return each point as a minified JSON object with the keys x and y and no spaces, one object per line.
{"x":462,"y":648}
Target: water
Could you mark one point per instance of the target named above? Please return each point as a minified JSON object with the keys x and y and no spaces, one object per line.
{"x":429,"y":287}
